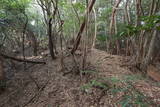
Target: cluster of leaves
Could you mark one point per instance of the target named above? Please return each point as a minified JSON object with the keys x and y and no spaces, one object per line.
{"x":69,"y":16}
{"x":101,"y":38}
{"x":12,"y":11}
{"x":135,"y":99}
{"x":147,"y":23}
{"x":13,"y":6}
{"x":13,"y":18}
{"x":95,"y":83}
{"x":150,"y":22}
{"x":131,"y":97}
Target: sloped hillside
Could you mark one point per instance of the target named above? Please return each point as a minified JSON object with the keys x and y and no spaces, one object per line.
{"x":106,"y":82}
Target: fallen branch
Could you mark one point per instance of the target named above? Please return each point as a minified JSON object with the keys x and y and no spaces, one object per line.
{"x":21,"y":60}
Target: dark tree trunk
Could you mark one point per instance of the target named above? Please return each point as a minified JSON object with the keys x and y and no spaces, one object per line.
{"x":50,"y":39}
{"x":2,"y":75}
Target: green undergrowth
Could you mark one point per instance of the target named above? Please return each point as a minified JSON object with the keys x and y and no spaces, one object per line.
{"x":131,"y":97}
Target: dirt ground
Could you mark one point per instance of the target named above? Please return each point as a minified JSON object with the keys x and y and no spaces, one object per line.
{"x":106,"y":82}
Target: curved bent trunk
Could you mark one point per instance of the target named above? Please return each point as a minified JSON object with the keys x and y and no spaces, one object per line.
{"x":82,"y":27}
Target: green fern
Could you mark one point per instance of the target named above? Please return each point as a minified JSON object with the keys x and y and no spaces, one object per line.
{"x":95,"y":83}
{"x":126,"y":101}
{"x":86,"y":87}
{"x":133,"y":78}
{"x":98,"y":84}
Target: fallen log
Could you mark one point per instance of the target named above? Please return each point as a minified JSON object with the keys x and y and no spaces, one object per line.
{"x":21,"y":60}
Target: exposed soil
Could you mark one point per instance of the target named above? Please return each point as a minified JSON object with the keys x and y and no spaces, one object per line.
{"x":47,"y":86}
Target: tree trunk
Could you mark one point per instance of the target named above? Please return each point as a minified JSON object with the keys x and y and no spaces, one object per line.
{"x":78,"y":38}
{"x":50,"y":39}
{"x":33,"y":40}
{"x":151,"y":50}
{"x":95,"y":28}
{"x":112,"y":27}
{"x":2,"y":75}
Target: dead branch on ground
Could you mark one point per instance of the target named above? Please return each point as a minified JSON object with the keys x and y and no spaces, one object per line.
{"x":21,"y":60}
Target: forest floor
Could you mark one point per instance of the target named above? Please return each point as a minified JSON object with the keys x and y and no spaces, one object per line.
{"x":107,"y":81}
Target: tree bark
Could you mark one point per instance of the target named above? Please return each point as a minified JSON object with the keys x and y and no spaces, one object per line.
{"x":113,"y":22}
{"x":49,"y":14}
{"x":113,"y":16}
{"x":78,"y":38}
{"x":95,"y":28}
{"x":50,"y":39}
{"x":2,"y":75}
{"x":150,"y":52}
